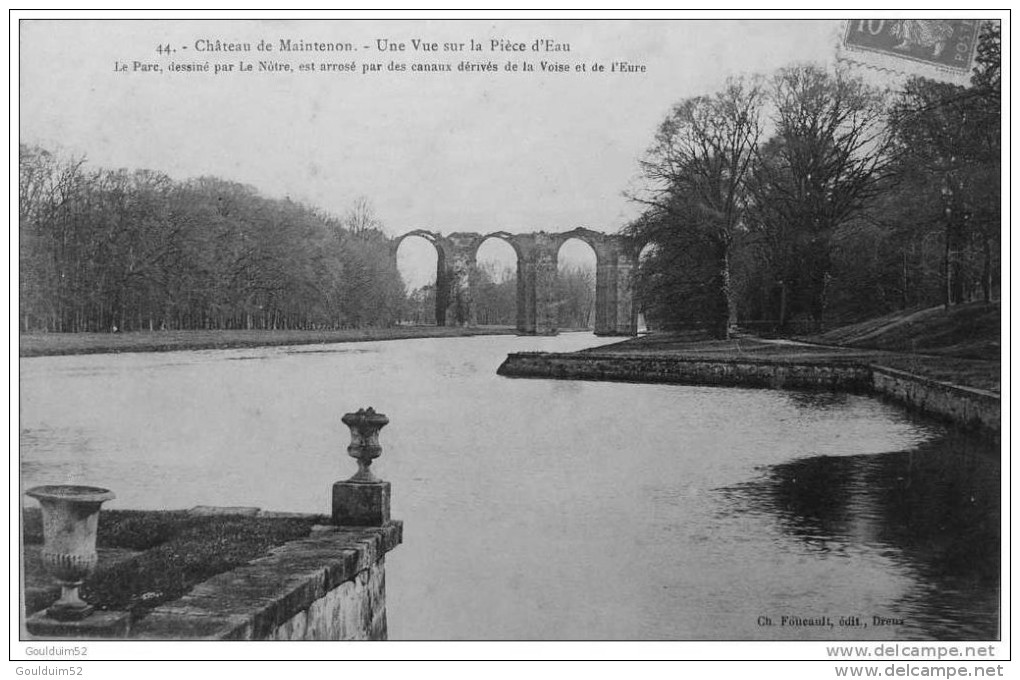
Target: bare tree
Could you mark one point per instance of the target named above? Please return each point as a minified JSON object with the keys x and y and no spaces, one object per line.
{"x":829,"y":157}
{"x":361,"y":217}
{"x":696,"y":174}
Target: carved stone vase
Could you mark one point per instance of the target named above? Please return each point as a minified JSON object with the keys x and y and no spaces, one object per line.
{"x":70,"y":520}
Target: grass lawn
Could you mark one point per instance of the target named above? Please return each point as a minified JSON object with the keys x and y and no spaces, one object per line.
{"x":46,"y":344}
{"x":151,"y":557}
{"x":970,"y":331}
{"x":960,"y":346}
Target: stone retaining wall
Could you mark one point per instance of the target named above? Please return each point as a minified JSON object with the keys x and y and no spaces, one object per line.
{"x":967,"y":407}
{"x":356,"y":610}
{"x":672,"y":369}
{"x":329,"y":586}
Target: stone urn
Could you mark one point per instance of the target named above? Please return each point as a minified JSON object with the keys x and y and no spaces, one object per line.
{"x":365,"y":425}
{"x":70,"y":517}
{"x":364,"y":499}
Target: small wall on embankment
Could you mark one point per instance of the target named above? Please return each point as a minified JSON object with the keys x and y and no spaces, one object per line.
{"x":329,"y":586}
{"x":672,"y":369}
{"x":963,"y":406}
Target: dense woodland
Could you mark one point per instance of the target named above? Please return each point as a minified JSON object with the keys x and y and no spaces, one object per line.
{"x":801,"y":200}
{"x":112,"y":249}
{"x":104,"y":250}
{"x":809,"y":199}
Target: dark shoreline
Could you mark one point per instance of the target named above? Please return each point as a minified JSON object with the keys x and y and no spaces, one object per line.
{"x":64,"y":344}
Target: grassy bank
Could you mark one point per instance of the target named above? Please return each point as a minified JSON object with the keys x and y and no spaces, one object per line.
{"x":971,"y":331}
{"x":49,"y":344}
{"x":960,"y":346}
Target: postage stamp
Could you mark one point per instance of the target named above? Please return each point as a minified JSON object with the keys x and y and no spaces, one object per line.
{"x":905,"y":45}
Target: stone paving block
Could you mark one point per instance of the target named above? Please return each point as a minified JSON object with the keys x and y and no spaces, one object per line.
{"x":176,"y":626}
{"x":100,"y":625}
{"x":215,"y":510}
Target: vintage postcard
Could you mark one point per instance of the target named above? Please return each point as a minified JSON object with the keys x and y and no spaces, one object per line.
{"x":633,"y":336}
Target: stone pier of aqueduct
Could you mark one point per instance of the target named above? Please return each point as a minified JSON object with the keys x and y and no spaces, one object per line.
{"x":456,"y":278}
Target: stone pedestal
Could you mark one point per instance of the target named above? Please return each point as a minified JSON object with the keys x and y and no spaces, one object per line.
{"x":356,"y":504}
{"x":99,"y":625}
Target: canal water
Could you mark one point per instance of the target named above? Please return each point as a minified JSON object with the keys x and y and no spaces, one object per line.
{"x":540,"y":509}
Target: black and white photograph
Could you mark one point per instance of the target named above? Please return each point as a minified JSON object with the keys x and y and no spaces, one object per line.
{"x":624,"y":335}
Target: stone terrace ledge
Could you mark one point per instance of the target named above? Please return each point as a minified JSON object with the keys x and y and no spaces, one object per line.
{"x":330,"y":585}
{"x":277,"y":596}
{"x":669,"y":368}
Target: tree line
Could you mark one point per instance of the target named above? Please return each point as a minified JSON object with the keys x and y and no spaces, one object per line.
{"x":809,"y":198}
{"x":103,"y":250}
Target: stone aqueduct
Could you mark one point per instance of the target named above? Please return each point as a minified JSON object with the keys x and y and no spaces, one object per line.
{"x":456,"y":277}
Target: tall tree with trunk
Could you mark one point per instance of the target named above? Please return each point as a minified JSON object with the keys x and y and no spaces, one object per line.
{"x":827,"y":160}
{"x":696,"y":196}
{"x":948,"y":143}
{"x":987,"y":85}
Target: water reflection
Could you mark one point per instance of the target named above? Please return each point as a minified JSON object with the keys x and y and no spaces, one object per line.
{"x":813,"y":400}
{"x":933,"y":512}
{"x":330,"y":350}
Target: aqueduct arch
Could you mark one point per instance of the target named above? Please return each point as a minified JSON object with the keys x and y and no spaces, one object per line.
{"x":537,"y":253}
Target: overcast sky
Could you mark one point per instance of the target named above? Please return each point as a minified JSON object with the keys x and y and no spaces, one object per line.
{"x":445,"y":151}
{"x":453,"y":151}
